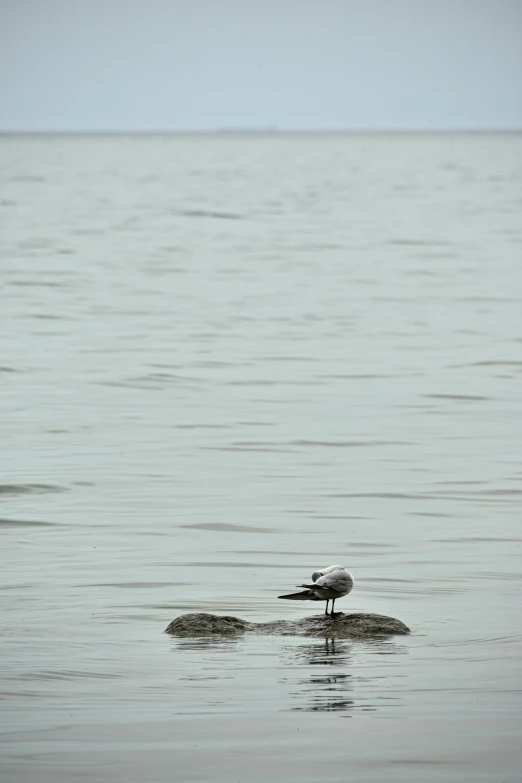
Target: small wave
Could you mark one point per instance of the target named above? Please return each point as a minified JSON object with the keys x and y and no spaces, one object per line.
{"x":296,"y":445}
{"x":155,"y":380}
{"x":491,"y":363}
{"x":358,"y":376}
{"x":27,"y":178}
{"x":204,"y":213}
{"x":70,"y":675}
{"x":477,"y":540}
{"x":383,"y":495}
{"x":29,"y":489}
{"x":419,"y":242}
{"x":135,"y":585}
{"x":483,"y":496}
{"x":223,"y":526}
{"x":239,"y":447}
{"x":470,"y":397}
{"x":349,"y":443}
{"x":229,"y":564}
{"x":208,"y":426}
{"x":24,"y":523}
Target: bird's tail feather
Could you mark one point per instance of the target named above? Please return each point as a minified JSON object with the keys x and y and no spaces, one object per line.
{"x":305,"y":595}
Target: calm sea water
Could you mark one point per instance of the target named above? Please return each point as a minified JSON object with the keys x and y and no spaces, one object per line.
{"x":228,"y":360}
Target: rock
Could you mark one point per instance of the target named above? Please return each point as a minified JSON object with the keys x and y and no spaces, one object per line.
{"x":205,"y":625}
{"x":340,"y":626}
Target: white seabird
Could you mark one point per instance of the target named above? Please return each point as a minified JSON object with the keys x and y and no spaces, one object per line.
{"x":328,"y":585}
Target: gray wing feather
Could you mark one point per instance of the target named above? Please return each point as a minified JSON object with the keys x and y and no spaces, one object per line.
{"x":305,"y":595}
{"x":339,"y":580}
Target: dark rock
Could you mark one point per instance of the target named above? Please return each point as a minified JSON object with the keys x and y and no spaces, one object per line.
{"x":205,"y":625}
{"x":340,"y":626}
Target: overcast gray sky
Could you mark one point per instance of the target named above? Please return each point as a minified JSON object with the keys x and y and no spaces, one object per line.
{"x":303,"y":64}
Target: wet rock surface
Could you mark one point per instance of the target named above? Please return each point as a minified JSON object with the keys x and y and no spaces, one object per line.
{"x":340,"y":626}
{"x":205,"y":625}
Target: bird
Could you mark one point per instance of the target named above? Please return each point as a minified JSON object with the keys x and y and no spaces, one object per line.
{"x":328,"y":585}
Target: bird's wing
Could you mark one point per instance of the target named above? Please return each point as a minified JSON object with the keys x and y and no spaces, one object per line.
{"x":305,"y":595}
{"x":339,"y":580}
{"x":333,"y":568}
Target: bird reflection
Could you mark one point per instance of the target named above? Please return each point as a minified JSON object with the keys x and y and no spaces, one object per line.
{"x":322,"y":692}
{"x":326,"y":652}
{"x":331,"y":686}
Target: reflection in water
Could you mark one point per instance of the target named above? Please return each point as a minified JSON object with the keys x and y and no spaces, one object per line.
{"x":326,"y":693}
{"x":206,"y":642}
{"x":335,"y":690}
{"x":326,"y":652}
{"x":322,"y":692}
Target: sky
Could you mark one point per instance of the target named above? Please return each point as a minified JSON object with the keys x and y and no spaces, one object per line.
{"x":144,"y":65}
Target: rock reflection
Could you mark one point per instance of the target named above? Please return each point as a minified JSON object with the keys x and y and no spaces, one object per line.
{"x":206,"y":642}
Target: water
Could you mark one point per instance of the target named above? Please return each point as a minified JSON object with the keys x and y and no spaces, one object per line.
{"x":228,"y":360}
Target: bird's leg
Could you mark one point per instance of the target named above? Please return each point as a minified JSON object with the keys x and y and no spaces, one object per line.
{"x":332,"y":610}
{"x":326,"y":610}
